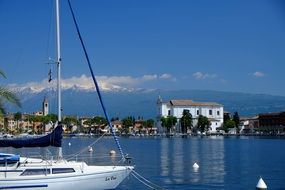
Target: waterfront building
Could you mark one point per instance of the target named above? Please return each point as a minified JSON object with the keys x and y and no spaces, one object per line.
{"x":212,"y":110}
{"x":139,"y":126}
{"x":10,"y":122}
{"x":83,"y":120}
{"x":272,"y":122}
{"x":38,"y":113}
{"x":249,"y":125}
{"x":117,"y":125}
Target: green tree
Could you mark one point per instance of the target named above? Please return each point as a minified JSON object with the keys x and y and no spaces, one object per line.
{"x":49,"y":118}
{"x":52,"y":117}
{"x":70,"y":121}
{"x":100,"y":121}
{"x":127,"y":123}
{"x":168,"y":122}
{"x":88,"y":122}
{"x":228,"y":125}
{"x":6,"y":129}
{"x":28,"y":119}
{"x":186,"y":121}
{"x":163,"y":121}
{"x":226,"y":117}
{"x":236,"y":120}
{"x":36,"y":118}
{"x":7,"y":96}
{"x":203,"y":123}
{"x":96,"y":122}
{"x":149,"y":124}
{"x":43,"y":119}
{"x":18,"y":117}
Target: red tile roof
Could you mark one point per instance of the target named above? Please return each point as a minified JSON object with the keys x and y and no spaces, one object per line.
{"x":192,"y":103}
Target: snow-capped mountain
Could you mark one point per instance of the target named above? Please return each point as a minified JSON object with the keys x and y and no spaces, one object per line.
{"x":81,"y":100}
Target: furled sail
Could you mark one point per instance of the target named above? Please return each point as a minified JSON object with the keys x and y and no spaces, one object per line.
{"x":52,"y":139}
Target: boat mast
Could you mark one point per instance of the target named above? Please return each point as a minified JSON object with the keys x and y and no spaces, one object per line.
{"x":58,"y":61}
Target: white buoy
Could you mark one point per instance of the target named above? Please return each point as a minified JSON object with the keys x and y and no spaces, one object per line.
{"x":69,"y":144}
{"x":112,"y":153}
{"x":261,"y":184}
{"x":195,"y":166}
{"x":90,"y":149}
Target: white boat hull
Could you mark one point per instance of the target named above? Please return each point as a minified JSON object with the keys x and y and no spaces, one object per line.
{"x":84,"y":178}
{"x":84,"y":182}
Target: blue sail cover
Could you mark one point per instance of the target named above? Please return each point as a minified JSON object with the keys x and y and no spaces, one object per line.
{"x":9,"y":158}
{"x":52,"y":139}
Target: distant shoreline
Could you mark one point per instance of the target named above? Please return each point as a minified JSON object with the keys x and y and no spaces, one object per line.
{"x":175,"y":136}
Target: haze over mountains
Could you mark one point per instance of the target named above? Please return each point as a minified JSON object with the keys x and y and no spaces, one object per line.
{"x":122,"y":102}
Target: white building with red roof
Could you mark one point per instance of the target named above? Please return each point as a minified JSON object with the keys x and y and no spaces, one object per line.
{"x":212,"y":110}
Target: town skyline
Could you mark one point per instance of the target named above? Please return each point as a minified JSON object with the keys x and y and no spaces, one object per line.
{"x":223,"y":46}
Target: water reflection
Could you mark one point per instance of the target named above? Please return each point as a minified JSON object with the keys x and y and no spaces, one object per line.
{"x":164,"y":157}
{"x":193,"y":154}
{"x":178,"y":160}
{"x":178,"y":156}
{"x":213,"y":161}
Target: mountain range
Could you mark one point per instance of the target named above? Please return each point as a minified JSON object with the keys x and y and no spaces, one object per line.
{"x":142,"y":102}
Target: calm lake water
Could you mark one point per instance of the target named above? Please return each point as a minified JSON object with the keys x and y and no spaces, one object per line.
{"x":225,"y":162}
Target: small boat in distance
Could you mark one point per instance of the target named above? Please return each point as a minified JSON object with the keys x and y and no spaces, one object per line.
{"x":18,"y":172}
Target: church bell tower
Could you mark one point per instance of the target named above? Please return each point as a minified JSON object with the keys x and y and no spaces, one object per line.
{"x":45,"y":106}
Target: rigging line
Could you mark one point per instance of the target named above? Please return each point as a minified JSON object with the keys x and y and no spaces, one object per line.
{"x":101,"y":157}
{"x":84,"y":149}
{"x":95,"y":82}
{"x":153,"y":185}
{"x":142,"y":181}
{"x":69,"y":157}
{"x":49,"y":32}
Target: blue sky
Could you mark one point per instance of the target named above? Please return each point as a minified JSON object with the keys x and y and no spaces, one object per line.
{"x":157,"y":44}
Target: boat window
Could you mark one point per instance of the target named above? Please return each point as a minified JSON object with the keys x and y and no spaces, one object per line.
{"x":7,"y":165}
{"x":62,"y":170}
{"x":36,"y":172}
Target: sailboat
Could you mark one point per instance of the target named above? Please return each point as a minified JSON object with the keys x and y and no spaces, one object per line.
{"x":18,"y":172}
